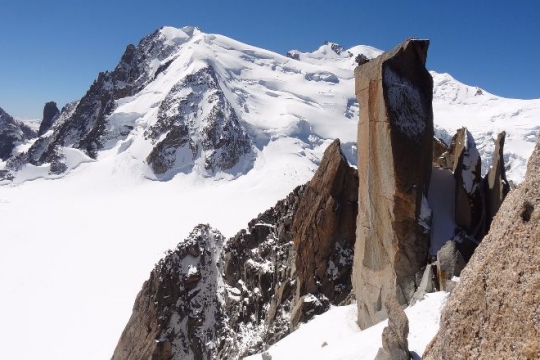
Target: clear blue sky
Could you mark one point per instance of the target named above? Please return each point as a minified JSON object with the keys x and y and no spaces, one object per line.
{"x":53,"y":50}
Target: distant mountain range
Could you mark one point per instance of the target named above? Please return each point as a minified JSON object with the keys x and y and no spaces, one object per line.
{"x":183,"y":101}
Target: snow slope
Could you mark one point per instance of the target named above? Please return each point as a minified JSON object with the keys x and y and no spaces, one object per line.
{"x":335,"y":335}
{"x":76,"y":250}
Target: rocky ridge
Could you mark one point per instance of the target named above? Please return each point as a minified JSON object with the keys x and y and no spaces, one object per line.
{"x":12,"y":133}
{"x":248,"y":294}
{"x":217,"y":137}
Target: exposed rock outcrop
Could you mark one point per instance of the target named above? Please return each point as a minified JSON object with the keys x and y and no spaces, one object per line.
{"x":258,"y":302}
{"x":324,"y":228}
{"x":394,"y":336}
{"x":260,"y":277}
{"x":177,"y":314}
{"x":50,"y":114}
{"x":12,"y":133}
{"x":197,"y":126}
{"x":496,"y":185}
{"x":469,"y":193}
{"x":493,"y":312}
{"x":450,"y":262}
{"x":395,"y":143}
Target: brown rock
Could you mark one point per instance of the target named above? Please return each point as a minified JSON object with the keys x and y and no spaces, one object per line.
{"x":395,"y":135}
{"x":394,"y":336}
{"x":495,"y":183}
{"x":324,"y":228}
{"x":494,"y":310}
{"x":449,"y":264}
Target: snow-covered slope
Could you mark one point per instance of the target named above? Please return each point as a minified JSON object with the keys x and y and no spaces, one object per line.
{"x":76,"y":250}
{"x":486,"y":115}
{"x":335,"y":335}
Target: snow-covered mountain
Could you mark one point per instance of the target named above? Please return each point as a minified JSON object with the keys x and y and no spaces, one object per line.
{"x":194,"y":111}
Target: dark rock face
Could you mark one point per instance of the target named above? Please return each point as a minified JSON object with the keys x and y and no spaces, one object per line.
{"x":199,"y":125}
{"x":50,"y":114}
{"x":493,"y":312}
{"x":496,"y":185}
{"x":260,"y":277}
{"x":395,"y":143}
{"x":177,"y":315}
{"x":394,"y":336}
{"x":12,"y":133}
{"x":325,"y":228}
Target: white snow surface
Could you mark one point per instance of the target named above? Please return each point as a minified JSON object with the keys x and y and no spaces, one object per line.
{"x":335,"y":335}
{"x":77,"y":249}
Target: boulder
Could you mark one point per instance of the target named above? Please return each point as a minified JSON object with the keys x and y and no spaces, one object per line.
{"x":324,"y":228}
{"x":50,"y":114}
{"x":496,"y":185}
{"x":450,"y":262}
{"x":394,"y":336}
{"x":395,"y":140}
{"x":427,"y":284}
{"x":493,"y":312}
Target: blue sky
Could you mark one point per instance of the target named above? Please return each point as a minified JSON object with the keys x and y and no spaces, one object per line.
{"x":53,"y":50}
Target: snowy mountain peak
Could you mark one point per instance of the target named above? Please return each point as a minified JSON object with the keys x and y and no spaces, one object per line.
{"x":175,"y":35}
{"x":267,"y":100}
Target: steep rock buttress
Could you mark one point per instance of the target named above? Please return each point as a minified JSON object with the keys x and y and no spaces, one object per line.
{"x":395,"y":135}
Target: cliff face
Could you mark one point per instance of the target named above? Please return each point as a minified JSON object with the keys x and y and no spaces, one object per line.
{"x":325,"y":226}
{"x":395,"y":143}
{"x":494,"y":310}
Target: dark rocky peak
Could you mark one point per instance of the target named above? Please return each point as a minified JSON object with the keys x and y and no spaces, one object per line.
{"x":178,"y":314}
{"x":198,"y":127}
{"x":50,"y":114}
{"x":338,"y":49}
{"x":12,"y":133}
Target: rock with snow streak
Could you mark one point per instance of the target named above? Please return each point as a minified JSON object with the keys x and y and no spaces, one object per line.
{"x":50,"y":114}
{"x":395,"y":140}
{"x":179,"y":313}
{"x":496,"y":185}
{"x":467,"y":170}
{"x":324,"y":228}
{"x":197,"y":126}
{"x":12,"y":133}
